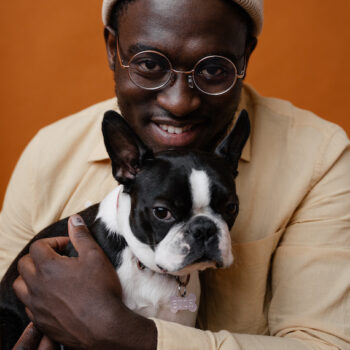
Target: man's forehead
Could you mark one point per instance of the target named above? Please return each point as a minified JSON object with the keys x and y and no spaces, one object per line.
{"x":175,"y":27}
{"x":254,"y":9}
{"x":194,"y":15}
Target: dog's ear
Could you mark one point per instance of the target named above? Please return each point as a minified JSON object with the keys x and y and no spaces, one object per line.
{"x":232,"y":146}
{"x":126,"y":150}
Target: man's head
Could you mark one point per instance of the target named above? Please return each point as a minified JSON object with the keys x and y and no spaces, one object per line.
{"x":178,"y":115}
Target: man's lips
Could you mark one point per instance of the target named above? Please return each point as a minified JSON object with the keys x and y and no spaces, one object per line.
{"x":175,"y":129}
{"x":172,"y":134}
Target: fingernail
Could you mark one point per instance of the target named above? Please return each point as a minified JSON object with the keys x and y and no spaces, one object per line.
{"x":77,"y":220}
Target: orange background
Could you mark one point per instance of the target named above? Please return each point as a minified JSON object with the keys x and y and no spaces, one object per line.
{"x":53,"y":63}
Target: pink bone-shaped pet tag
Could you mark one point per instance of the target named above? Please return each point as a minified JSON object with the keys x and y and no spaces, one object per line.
{"x":183,"y":303}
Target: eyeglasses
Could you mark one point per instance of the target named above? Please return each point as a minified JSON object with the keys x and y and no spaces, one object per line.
{"x":151,"y":70}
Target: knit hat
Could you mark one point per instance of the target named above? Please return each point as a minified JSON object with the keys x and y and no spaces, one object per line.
{"x":254,"y":8}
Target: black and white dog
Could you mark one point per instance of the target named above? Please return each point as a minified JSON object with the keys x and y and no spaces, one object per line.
{"x":170,"y":217}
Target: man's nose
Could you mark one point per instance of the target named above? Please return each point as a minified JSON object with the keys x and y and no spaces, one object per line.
{"x":178,"y":98}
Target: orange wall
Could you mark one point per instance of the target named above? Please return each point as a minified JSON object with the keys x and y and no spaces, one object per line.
{"x":53,"y":63}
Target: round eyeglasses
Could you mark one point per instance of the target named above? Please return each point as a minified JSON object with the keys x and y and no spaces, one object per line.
{"x":151,"y":70}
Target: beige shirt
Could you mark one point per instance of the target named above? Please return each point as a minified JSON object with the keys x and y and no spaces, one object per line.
{"x":289,"y":287}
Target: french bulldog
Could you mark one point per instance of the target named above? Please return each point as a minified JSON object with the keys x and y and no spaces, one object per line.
{"x":169,"y":217}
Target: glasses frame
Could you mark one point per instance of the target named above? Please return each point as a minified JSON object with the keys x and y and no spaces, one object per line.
{"x":190,"y":73}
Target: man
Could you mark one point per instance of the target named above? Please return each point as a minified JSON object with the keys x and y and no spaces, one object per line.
{"x":289,"y":286}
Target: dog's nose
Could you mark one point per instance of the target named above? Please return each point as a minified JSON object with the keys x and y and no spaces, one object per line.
{"x":202,"y":228}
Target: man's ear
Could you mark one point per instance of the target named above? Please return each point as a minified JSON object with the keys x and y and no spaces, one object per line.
{"x":110,"y":41}
{"x":126,"y":150}
{"x":250,"y":47}
{"x":232,"y":146}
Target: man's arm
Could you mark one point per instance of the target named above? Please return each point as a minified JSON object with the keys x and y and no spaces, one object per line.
{"x":77,"y":301}
{"x":19,"y":205}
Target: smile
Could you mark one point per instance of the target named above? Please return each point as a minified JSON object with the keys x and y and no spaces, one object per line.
{"x":169,"y":136}
{"x":175,"y":130}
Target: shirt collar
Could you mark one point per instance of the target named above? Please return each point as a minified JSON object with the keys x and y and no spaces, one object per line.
{"x":99,"y":152}
{"x":244,"y":104}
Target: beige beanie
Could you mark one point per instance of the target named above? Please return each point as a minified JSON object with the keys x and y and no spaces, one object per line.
{"x":254,"y":8}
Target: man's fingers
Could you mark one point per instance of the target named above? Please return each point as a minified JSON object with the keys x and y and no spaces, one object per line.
{"x":21,"y":290}
{"x":29,"y":314}
{"x":32,"y":339}
{"x":29,"y":340}
{"x":25,"y":267}
{"x":47,"y":344}
{"x":47,"y":248}
{"x":80,"y":236}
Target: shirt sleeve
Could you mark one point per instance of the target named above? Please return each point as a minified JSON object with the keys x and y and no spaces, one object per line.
{"x":310,"y":273}
{"x":16,"y":215}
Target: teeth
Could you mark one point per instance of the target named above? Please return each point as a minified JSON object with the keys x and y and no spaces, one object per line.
{"x":174,"y":130}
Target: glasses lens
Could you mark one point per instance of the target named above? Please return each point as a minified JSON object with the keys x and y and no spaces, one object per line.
{"x":149,"y":70}
{"x":215,"y":74}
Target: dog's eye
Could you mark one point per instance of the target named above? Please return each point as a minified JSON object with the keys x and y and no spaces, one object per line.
{"x":162,"y":213}
{"x":231,"y":208}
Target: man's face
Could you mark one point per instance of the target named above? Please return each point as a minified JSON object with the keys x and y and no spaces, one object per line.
{"x":185,"y":31}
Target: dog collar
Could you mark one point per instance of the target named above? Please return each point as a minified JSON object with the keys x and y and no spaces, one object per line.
{"x":182,"y":301}
{"x":181,"y":284}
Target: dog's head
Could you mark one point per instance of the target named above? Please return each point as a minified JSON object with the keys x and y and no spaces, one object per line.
{"x":177,"y":207}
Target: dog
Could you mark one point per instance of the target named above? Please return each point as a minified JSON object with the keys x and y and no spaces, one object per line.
{"x":169,"y":217}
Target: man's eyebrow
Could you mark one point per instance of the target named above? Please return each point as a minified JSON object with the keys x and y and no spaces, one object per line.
{"x":233,"y":57}
{"x":136,"y":48}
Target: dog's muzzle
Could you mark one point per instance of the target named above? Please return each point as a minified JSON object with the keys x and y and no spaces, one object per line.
{"x":198,"y":244}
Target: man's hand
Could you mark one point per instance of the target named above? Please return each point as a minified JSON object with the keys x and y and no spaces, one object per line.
{"x":77,"y":301}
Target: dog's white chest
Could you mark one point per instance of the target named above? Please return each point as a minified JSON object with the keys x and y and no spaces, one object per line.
{"x":149,"y":293}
